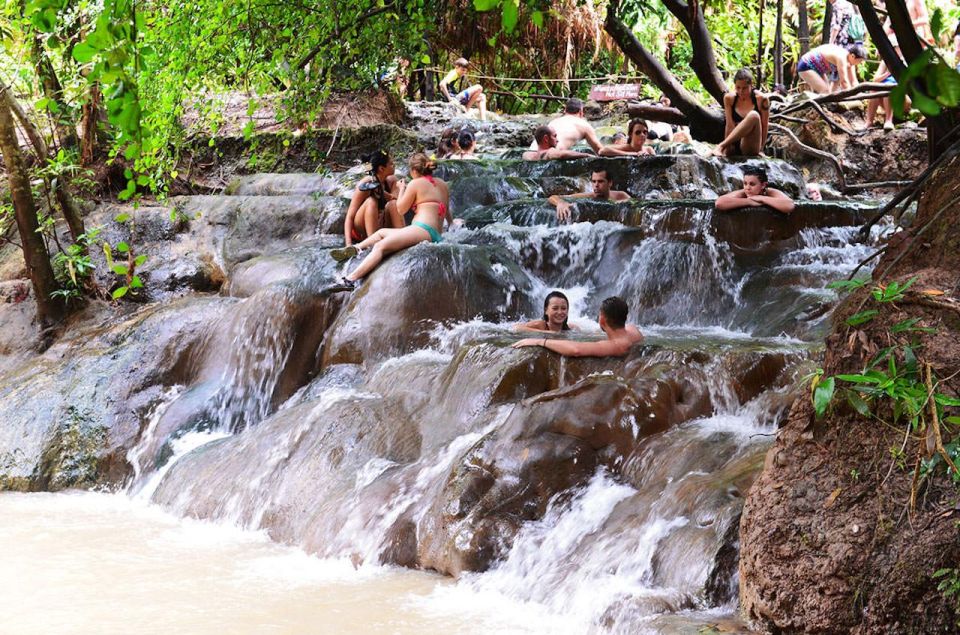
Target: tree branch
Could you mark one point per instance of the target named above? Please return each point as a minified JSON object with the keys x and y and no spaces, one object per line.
{"x":774,"y":127}
{"x":306,"y":59}
{"x":704,"y":124}
{"x":703,"y":62}
{"x":653,"y":112}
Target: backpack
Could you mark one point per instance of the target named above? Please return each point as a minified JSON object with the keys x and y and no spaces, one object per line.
{"x":856,"y":29}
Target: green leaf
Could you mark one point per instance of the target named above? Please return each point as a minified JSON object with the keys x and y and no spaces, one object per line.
{"x":925,"y":104}
{"x":120,"y":270}
{"x":936,"y":23}
{"x":822,"y":396}
{"x":859,"y":379}
{"x":905,"y":325}
{"x":945,"y":400}
{"x":847,"y":285}
{"x":136,"y":283}
{"x":139,"y":260}
{"x":119,"y":293}
{"x":537,"y":18}
{"x":122,"y":247}
{"x":485,"y":5}
{"x":857,"y":403}
{"x":862,"y":318}
{"x":83,"y":52}
{"x":511,"y":13}
{"x":948,"y":85}
{"x":122,"y":217}
{"x":212,"y":142}
{"x":425,"y":59}
{"x":952,"y":419}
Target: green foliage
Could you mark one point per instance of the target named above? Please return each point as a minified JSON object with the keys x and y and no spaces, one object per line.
{"x":931,"y":82}
{"x":949,"y":586}
{"x":73,"y":267}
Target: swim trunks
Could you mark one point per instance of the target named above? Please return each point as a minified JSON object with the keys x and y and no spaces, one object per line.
{"x":434,"y":234}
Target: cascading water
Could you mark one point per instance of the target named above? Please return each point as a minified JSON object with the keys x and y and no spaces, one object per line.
{"x":397,"y":426}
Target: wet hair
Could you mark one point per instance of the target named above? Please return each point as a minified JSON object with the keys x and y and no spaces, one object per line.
{"x":377,"y":159}
{"x":448,"y":143}
{"x":614,"y":311}
{"x":461,"y":61}
{"x":619,"y":137}
{"x":633,"y":124}
{"x":573,"y":106}
{"x":422,"y":164}
{"x":542,"y":132}
{"x":605,"y":172}
{"x":546,"y":303}
{"x":857,"y":50}
{"x":465,"y":139}
{"x":760,"y":173}
{"x":743,"y":74}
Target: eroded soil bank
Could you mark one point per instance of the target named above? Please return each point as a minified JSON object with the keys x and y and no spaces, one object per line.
{"x":838,"y":534}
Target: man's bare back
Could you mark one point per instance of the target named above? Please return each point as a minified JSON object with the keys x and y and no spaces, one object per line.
{"x":572,"y":129}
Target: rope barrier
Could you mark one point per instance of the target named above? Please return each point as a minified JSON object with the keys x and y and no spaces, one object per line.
{"x":544,"y":80}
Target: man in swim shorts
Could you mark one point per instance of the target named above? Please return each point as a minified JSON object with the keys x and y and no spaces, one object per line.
{"x":468,"y":97}
{"x":602,"y":184}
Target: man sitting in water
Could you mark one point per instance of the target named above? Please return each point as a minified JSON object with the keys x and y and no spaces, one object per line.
{"x":546,"y":138}
{"x":613,"y":321}
{"x":755,"y":193}
{"x":572,"y":128}
{"x":601,"y":182}
{"x":468,"y":97}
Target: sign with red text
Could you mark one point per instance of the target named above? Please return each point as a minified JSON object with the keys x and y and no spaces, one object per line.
{"x":614,"y":92}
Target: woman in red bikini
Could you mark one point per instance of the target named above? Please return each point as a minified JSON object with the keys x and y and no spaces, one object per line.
{"x":427,"y":197}
{"x":374,"y":201}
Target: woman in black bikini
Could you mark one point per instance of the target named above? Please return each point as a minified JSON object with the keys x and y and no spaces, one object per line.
{"x":747,"y":114}
{"x":374,"y":201}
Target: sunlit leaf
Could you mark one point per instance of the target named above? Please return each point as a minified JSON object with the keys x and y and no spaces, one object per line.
{"x":822,"y":396}
{"x":862,"y":318}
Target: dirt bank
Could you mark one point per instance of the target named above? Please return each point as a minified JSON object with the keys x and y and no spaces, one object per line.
{"x":836,"y":535}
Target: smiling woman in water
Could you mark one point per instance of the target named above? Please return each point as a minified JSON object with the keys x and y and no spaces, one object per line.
{"x":556,"y":307}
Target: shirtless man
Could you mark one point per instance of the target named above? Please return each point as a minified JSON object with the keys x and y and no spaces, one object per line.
{"x":546,"y":139}
{"x":571,"y":127}
{"x":601,"y":182}
{"x":613,"y":321}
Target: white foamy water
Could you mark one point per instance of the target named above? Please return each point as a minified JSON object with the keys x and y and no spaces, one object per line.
{"x":83,"y":563}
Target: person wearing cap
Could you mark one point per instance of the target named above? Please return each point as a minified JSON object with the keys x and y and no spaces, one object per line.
{"x":468,"y":97}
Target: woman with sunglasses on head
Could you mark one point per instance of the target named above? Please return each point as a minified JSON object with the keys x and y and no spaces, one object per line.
{"x":374,"y":201}
{"x":637,"y":133}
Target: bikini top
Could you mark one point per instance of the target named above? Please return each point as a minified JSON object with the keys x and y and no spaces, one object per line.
{"x":441,"y":204}
{"x":737,"y":117}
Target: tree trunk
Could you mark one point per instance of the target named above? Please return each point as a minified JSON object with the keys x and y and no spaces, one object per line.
{"x":879,"y":37}
{"x":760,"y":46}
{"x":827,"y":18}
{"x":71,"y":211}
{"x":778,"y":50}
{"x":903,"y":28}
{"x":89,"y":119}
{"x":705,"y":124}
{"x":803,"y":27}
{"x":704,"y":62}
{"x":65,"y":132}
{"x":49,"y":310}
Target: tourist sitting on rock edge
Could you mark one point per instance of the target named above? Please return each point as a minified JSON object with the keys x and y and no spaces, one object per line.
{"x":546,"y":139}
{"x":829,"y":68}
{"x":428,"y":197}
{"x":572,"y":128}
{"x":755,"y":193}
{"x":468,"y":97}
{"x":747,"y":115}
{"x":373,"y":204}
{"x":601,"y":182}
{"x":637,"y":133}
{"x":613,"y":321}
{"x":467,"y":146}
{"x":556,"y":307}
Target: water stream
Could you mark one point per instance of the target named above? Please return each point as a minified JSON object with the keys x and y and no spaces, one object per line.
{"x":395,"y":429}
